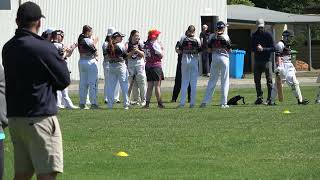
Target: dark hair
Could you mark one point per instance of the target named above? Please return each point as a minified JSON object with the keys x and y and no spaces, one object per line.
{"x":133,"y":32}
{"x":86,"y":28}
{"x":111,"y":47}
{"x":107,"y":39}
{"x":191,"y":29}
{"x":44,"y":35}
{"x":56,"y":33}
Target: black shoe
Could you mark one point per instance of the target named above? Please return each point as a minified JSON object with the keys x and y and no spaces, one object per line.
{"x":304,"y":102}
{"x":173,"y":101}
{"x":106,"y":102}
{"x":160,"y":105}
{"x":118,"y":102}
{"x":270,"y":103}
{"x":259,"y":101}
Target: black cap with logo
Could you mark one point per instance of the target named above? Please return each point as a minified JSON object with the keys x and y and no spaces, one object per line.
{"x":117,"y":34}
{"x":29,"y":12}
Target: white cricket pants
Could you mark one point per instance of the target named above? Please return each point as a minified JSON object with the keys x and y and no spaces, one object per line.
{"x":138,"y":73}
{"x":88,"y":80}
{"x":64,"y":99}
{"x":219,"y":67}
{"x":118,"y":72}
{"x":190,"y":72}
{"x":287,"y":74}
{"x":117,"y":89}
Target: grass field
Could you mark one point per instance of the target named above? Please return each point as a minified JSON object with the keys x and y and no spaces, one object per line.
{"x":243,"y":142}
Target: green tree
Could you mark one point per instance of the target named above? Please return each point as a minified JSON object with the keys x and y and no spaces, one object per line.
{"x":244,"y":2}
{"x":296,"y":6}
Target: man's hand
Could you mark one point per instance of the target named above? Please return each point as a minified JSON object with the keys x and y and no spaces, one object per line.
{"x":259,"y":48}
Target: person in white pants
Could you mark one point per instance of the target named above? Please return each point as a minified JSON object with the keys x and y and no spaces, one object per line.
{"x":118,"y":72}
{"x":189,"y":47}
{"x":286,"y":69}
{"x":106,"y":67}
{"x":136,"y":65}
{"x":220,"y":46}
{"x":63,"y":99}
{"x":88,"y":68}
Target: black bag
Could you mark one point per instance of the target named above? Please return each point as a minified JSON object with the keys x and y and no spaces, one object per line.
{"x":235,"y":99}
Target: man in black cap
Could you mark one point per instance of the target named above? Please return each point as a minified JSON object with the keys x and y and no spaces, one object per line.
{"x":34,"y":71}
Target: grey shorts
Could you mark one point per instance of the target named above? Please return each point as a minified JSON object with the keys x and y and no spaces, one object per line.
{"x":37,"y":144}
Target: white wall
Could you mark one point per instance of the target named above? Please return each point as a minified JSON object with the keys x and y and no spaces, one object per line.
{"x":8,"y":25}
{"x":170,"y":16}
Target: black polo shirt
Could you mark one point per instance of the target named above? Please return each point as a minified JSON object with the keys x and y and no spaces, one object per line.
{"x":34,"y":71}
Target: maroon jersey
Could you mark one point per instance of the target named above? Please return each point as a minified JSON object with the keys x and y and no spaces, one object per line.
{"x":152,"y":59}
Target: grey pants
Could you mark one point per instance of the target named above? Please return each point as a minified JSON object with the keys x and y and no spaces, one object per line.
{"x":259,"y":68}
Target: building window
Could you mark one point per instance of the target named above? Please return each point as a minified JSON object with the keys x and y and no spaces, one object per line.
{"x":5,"y":5}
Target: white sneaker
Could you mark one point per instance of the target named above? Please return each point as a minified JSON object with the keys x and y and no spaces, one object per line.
{"x":224,"y":106}
{"x":318,"y":101}
{"x":61,"y":106}
{"x":72,"y":107}
{"x":126,"y":108}
{"x":143,"y":103}
{"x":133,"y":103}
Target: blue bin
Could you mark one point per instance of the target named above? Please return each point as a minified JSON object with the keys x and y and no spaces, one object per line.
{"x":236,"y":63}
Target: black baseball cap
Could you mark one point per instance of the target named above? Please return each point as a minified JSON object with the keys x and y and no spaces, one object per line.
{"x":117,"y":34}
{"x":221,"y":24}
{"x":288,"y":33}
{"x":58,"y":32}
{"x":29,"y":12}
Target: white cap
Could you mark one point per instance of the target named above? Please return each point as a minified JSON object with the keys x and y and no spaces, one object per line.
{"x":111,"y":31}
{"x":49,"y":30}
{"x":260,"y":23}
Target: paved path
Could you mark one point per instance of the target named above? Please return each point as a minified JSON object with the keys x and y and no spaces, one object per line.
{"x":168,"y":83}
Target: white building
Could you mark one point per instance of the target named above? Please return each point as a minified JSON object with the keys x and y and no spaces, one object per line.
{"x":171,"y":17}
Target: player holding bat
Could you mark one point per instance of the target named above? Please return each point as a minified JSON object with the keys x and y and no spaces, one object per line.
{"x":285,"y":71}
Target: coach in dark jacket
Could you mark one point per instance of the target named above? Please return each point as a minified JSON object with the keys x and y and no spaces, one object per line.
{"x":262,"y":46}
{"x":34,"y":71}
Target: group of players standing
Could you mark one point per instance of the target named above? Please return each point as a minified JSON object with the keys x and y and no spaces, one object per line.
{"x":136,"y":67}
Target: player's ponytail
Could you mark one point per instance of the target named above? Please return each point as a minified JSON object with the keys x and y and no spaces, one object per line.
{"x":190,"y":31}
{"x":111,"y":48}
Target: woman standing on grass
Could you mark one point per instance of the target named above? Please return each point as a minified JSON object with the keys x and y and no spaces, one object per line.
{"x":220,"y":46}
{"x":189,"y":47}
{"x":88,"y":68}
{"x":118,"y":72}
{"x":105,"y":65}
{"x":136,"y":65}
{"x":153,"y":54}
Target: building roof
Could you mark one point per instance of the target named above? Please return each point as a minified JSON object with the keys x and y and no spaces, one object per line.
{"x":249,"y":14}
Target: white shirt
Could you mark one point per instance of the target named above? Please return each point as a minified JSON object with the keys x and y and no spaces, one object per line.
{"x":157,"y":47}
{"x":139,"y":61}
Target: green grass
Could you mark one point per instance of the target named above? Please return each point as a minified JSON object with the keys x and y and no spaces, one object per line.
{"x":243,"y":142}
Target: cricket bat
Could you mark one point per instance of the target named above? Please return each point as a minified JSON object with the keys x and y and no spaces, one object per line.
{"x":279,"y":87}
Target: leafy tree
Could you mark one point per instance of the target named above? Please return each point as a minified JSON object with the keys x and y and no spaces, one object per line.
{"x":244,"y":2}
